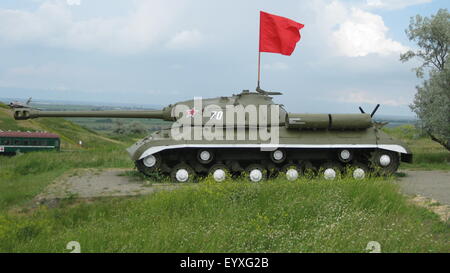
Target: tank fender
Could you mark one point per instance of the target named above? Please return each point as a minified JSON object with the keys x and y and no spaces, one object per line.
{"x":389,"y":147}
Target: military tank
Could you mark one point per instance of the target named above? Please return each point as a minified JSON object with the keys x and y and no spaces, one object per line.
{"x":248,"y":134}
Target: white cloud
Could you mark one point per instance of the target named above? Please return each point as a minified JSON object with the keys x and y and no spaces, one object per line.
{"x":360,"y":97}
{"x":394,"y":4}
{"x":53,"y":24}
{"x":186,"y":39}
{"x":364,"y":33}
{"x":349,"y":29}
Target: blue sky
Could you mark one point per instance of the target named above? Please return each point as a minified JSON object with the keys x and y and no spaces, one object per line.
{"x":160,"y":52}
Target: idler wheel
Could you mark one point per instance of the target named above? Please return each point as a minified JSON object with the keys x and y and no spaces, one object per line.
{"x":330,"y":170}
{"x":182,"y":173}
{"x":384,"y":162}
{"x":150,"y":161}
{"x":291,"y":172}
{"x":149,"y":165}
{"x":256,"y":173}
{"x":219,"y":172}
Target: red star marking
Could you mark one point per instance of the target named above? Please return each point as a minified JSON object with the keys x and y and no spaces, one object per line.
{"x":191,"y":112}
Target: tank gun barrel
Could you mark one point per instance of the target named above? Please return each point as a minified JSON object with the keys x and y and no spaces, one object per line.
{"x":22,"y":114}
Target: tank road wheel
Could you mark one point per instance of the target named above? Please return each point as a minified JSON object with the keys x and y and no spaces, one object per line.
{"x":255,"y":173}
{"x":219,"y":172}
{"x":182,"y":173}
{"x":384,"y":162}
{"x":149,"y":165}
{"x":359,"y":171}
{"x":330,"y":170}
{"x":278,"y":156}
{"x":205,"y":156}
{"x":291,"y":172}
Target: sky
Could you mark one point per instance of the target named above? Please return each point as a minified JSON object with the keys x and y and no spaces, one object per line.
{"x":162,"y":51}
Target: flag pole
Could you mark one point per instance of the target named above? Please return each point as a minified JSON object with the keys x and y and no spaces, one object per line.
{"x":259,"y":68}
{"x":259,"y":53}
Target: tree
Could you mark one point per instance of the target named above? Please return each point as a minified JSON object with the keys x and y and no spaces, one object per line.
{"x":432,"y":106}
{"x":119,"y":127}
{"x":432,"y":35}
{"x":432,"y":100}
{"x":137,"y":128}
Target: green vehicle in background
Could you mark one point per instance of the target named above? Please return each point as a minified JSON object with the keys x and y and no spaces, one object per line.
{"x":229,"y":144}
{"x":12,"y":143}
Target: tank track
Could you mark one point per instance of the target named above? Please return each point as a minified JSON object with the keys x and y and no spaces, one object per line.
{"x":185,"y":165}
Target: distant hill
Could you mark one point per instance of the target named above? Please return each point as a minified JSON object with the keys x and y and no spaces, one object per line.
{"x":395,"y":121}
{"x":69,"y":132}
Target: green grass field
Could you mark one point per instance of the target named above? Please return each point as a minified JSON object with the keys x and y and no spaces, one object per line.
{"x":276,"y":216}
{"x":235,"y":216}
{"x":428,"y":155}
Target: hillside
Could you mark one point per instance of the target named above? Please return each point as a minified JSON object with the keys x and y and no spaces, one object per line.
{"x":69,"y":132}
{"x":24,"y":176}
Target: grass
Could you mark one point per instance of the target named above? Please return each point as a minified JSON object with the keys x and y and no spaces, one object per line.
{"x":428,"y":155}
{"x":238,"y":216}
{"x":24,"y":176}
{"x":7,"y":123}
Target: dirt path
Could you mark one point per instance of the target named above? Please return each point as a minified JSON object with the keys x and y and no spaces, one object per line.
{"x":89,"y":183}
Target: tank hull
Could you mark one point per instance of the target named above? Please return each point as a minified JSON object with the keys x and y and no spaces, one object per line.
{"x":307,"y":149}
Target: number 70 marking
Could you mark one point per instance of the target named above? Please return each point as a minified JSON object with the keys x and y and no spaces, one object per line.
{"x":217,"y":115}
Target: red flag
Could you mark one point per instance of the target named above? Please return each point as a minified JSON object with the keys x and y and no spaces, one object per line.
{"x":278,"y":34}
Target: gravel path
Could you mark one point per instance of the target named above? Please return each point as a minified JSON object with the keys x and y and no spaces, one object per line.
{"x":430,"y":184}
